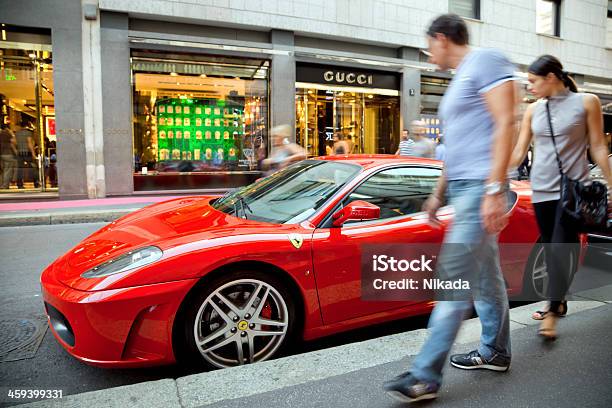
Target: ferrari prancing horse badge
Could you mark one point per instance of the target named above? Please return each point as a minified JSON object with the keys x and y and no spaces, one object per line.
{"x":296,"y":240}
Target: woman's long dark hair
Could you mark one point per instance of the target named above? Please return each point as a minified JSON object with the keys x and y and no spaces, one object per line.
{"x":546,"y":64}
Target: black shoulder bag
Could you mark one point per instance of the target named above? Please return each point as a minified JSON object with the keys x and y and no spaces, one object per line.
{"x":583,"y":207}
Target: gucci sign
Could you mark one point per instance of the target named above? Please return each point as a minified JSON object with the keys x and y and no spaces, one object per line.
{"x":349,"y":78}
{"x":345,"y":76}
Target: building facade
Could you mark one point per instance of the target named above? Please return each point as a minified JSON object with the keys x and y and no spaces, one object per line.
{"x":138,"y":96}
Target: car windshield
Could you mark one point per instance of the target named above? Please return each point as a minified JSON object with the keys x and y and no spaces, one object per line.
{"x":290,"y":195}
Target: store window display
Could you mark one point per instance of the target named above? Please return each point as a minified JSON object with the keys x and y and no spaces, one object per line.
{"x":200,"y":118}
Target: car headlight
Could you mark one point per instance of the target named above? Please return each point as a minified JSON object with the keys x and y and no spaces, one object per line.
{"x":131,"y":260}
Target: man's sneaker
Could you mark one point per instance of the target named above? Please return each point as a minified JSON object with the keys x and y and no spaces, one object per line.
{"x":406,"y":388}
{"x":473,"y":360}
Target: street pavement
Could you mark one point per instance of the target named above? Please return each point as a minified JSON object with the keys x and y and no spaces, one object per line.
{"x":575,"y":371}
{"x":72,"y":211}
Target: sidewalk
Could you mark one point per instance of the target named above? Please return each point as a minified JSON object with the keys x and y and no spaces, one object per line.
{"x":573,"y":371}
{"x":73,"y":211}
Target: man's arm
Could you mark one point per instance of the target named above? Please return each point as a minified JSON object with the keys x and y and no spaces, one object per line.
{"x":14,"y":144}
{"x":297,"y":153}
{"x":435,"y":200}
{"x":500,"y":102}
{"x":31,"y":146}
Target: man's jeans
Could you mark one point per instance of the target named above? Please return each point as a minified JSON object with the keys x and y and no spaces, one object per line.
{"x":9,"y":168}
{"x":477,"y":260}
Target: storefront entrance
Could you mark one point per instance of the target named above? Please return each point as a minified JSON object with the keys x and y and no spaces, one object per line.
{"x":27,"y":112}
{"x":370,"y":123}
{"x":361,"y":107}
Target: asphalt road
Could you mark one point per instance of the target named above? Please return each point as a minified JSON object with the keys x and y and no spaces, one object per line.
{"x":26,"y":251}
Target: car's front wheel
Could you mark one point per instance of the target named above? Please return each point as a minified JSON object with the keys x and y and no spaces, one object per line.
{"x":240,"y":318}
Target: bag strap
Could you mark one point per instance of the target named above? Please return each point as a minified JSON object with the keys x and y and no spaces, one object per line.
{"x":552,"y":135}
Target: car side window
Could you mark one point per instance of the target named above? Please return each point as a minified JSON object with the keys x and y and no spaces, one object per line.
{"x":398,"y":191}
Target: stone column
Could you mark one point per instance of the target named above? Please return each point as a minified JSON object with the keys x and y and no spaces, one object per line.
{"x":410,"y":96}
{"x":116,"y":102}
{"x":282,"y":81}
{"x":92,"y":97}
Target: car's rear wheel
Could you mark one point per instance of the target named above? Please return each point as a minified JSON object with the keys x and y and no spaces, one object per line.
{"x":240,"y":318}
{"x":536,"y":277}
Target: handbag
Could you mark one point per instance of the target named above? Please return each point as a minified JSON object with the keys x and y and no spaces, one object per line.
{"x":584,"y":207}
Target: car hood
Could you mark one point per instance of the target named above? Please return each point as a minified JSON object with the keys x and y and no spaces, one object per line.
{"x":164,"y":225}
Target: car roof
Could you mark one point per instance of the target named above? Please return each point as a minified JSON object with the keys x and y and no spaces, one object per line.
{"x":368,"y":161}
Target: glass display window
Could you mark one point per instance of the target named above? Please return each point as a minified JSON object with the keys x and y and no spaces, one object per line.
{"x":27,"y":108}
{"x":197,"y":102}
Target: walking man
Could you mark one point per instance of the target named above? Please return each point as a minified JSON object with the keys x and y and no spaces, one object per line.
{"x":478,"y":118}
{"x":406,"y":144}
{"x":423,"y":145}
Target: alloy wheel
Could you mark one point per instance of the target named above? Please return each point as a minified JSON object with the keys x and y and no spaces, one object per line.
{"x":243,"y":321}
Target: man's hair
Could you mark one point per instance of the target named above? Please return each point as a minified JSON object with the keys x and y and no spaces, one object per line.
{"x":452,"y":26}
{"x":281,"y":130}
{"x":25,"y":122}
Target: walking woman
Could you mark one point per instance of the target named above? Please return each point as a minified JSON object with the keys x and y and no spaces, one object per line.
{"x":577,"y":122}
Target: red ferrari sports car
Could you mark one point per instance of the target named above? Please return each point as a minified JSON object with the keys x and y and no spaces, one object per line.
{"x":225,"y":281}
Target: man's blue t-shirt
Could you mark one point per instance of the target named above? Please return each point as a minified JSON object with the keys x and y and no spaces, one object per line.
{"x":468,"y":125}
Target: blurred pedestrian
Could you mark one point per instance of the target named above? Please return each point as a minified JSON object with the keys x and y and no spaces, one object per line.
{"x":423,"y":145}
{"x":340,"y":145}
{"x":350,"y":143}
{"x":406,"y":144}
{"x":576,"y":120}
{"x":478,"y":115}
{"x":284,"y":152}
{"x":440,"y":150}
{"x":8,"y":156}
{"x":26,"y":155}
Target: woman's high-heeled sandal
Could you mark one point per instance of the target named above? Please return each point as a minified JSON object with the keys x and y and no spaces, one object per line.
{"x":548,"y":327}
{"x":541,"y":314}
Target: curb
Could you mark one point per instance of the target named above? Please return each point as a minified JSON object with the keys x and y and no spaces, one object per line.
{"x":210,"y":387}
{"x":50,"y":218}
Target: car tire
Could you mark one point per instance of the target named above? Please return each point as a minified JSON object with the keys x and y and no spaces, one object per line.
{"x":535,"y":278}
{"x":222,"y":310}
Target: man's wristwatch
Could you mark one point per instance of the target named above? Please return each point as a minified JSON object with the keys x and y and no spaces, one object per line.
{"x":495,"y":187}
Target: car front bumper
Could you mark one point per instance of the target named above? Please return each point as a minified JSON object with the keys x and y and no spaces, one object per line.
{"x":128,"y":327}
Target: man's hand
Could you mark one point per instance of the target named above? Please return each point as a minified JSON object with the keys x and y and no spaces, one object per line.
{"x":431,"y":206}
{"x":493,"y":211}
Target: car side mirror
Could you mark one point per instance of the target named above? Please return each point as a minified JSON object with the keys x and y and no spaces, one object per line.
{"x":356,"y":210}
